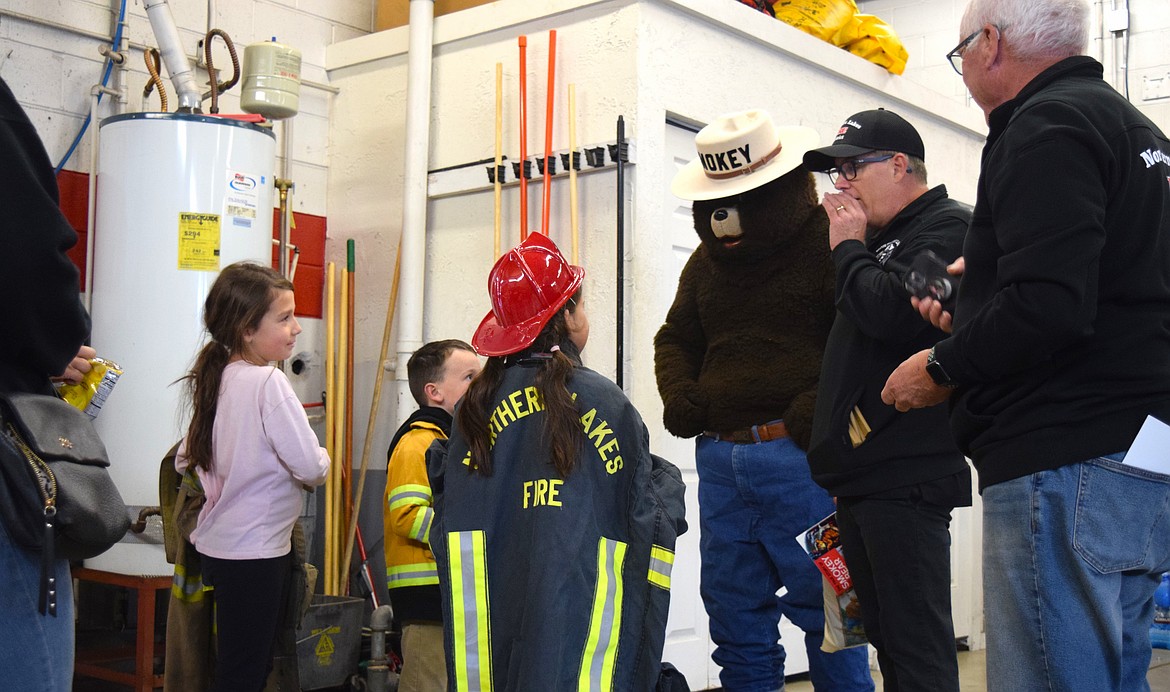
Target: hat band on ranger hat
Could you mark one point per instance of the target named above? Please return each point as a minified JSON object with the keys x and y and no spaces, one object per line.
{"x":751,"y":167}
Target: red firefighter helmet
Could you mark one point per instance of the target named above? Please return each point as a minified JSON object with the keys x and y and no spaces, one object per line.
{"x":527,"y":286}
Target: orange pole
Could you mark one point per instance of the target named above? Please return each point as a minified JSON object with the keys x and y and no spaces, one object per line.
{"x":523,"y":136}
{"x":548,"y":128}
{"x":357,"y":503}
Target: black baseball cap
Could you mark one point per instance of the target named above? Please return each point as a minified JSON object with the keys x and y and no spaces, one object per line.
{"x":865,"y":132}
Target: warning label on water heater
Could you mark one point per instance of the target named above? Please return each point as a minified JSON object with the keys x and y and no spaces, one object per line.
{"x":199,"y":241}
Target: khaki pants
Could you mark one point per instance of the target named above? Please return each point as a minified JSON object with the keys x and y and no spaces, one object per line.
{"x":424,"y":666}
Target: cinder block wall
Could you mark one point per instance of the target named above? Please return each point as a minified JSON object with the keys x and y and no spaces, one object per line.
{"x":49,"y":57}
{"x":930,"y":28}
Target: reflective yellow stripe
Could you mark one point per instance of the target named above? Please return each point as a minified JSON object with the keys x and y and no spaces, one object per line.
{"x":605,"y":622}
{"x":471,"y":627}
{"x":661,"y":563}
{"x":409,"y":495}
{"x":416,"y":574}
{"x":420,"y":530}
{"x":188,"y":588}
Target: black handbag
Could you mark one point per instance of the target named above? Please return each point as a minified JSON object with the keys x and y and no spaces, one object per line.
{"x":56,"y":495}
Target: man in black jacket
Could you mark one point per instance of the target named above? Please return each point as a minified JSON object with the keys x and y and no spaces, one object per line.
{"x":44,"y":326}
{"x":1060,"y":353}
{"x":896,"y":476}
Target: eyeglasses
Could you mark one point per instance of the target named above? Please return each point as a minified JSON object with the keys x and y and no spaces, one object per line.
{"x":955,"y":57}
{"x":849,"y":169}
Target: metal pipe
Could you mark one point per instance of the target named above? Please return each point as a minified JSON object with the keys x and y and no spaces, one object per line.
{"x":284,"y":186}
{"x":621,"y":251}
{"x":91,"y":203}
{"x":212,"y":13}
{"x":414,"y":201}
{"x":378,"y":671}
{"x":122,"y":65}
{"x":105,"y":38}
{"x":170,"y":44}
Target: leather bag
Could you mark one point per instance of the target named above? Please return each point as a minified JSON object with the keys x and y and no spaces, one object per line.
{"x":56,"y":494}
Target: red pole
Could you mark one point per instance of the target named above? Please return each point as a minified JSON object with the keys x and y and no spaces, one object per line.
{"x":548,"y":128}
{"x":523,"y":137}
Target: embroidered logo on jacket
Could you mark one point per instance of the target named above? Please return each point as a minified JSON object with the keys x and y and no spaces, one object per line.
{"x":884,"y":252}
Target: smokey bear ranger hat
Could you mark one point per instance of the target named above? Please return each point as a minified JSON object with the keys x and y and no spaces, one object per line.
{"x":865,"y":132}
{"x":740,"y":152}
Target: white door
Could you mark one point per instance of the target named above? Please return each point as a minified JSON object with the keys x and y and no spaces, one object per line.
{"x":966,"y":571}
{"x":688,"y":644}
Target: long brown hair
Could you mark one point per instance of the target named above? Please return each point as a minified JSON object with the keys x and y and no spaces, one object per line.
{"x":236,"y":303}
{"x":561,"y":426}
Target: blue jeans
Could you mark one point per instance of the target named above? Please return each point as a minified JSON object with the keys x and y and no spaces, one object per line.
{"x":754,"y":499}
{"x":1071,"y":558}
{"x":37,"y":654}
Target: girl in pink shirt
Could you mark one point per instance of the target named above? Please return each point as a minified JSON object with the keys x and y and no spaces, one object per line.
{"x":253,"y":450}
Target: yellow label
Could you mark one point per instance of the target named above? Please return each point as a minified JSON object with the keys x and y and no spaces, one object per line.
{"x":198,"y":241}
{"x":324,"y":649}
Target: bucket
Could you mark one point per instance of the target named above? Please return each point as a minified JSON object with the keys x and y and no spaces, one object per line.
{"x":328,"y":641}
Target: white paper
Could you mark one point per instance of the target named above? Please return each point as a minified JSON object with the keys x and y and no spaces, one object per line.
{"x":1151,"y":448}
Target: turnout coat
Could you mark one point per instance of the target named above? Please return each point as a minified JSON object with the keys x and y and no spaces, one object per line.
{"x":554,"y":583}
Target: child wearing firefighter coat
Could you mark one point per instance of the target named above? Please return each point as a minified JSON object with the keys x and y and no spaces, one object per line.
{"x":554,"y":525}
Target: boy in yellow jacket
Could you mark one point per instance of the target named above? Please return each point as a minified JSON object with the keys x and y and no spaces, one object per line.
{"x":438,"y":373}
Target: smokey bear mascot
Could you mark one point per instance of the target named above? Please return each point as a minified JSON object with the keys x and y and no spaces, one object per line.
{"x":737,"y":364}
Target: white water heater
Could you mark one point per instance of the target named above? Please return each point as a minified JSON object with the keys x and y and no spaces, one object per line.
{"x":179,"y":196}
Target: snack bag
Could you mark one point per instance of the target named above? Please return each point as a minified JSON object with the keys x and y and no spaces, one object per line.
{"x":91,"y":393}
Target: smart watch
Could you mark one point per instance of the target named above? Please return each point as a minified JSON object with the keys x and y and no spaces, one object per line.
{"x":938,"y":373}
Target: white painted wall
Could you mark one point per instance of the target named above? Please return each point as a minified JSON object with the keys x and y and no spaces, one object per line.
{"x":648,"y":60}
{"x":688,"y":58}
{"x":930,"y":28}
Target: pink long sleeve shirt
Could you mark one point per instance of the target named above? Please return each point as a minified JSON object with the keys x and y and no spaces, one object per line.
{"x":263,"y":451}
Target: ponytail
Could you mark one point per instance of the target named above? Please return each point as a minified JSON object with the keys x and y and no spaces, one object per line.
{"x":561,"y":431}
{"x":472,"y":414}
{"x":203,"y":389}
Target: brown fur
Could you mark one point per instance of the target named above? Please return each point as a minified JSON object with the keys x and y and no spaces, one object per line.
{"x":742,"y":343}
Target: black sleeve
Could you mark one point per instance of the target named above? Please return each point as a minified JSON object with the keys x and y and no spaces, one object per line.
{"x":1048,"y":209}
{"x":871,"y":295}
{"x":41,"y":306}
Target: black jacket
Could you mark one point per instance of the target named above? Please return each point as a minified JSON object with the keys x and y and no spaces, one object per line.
{"x":43,"y":319}
{"x":875,"y":330}
{"x":1061,"y":337}
{"x":545,"y":579}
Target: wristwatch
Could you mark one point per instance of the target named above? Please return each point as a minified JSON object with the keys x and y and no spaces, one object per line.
{"x":938,"y":373}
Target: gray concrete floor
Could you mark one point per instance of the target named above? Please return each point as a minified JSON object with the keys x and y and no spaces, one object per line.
{"x":973,"y":676}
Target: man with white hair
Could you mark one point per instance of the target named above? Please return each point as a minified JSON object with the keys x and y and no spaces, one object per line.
{"x":1060,"y":353}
